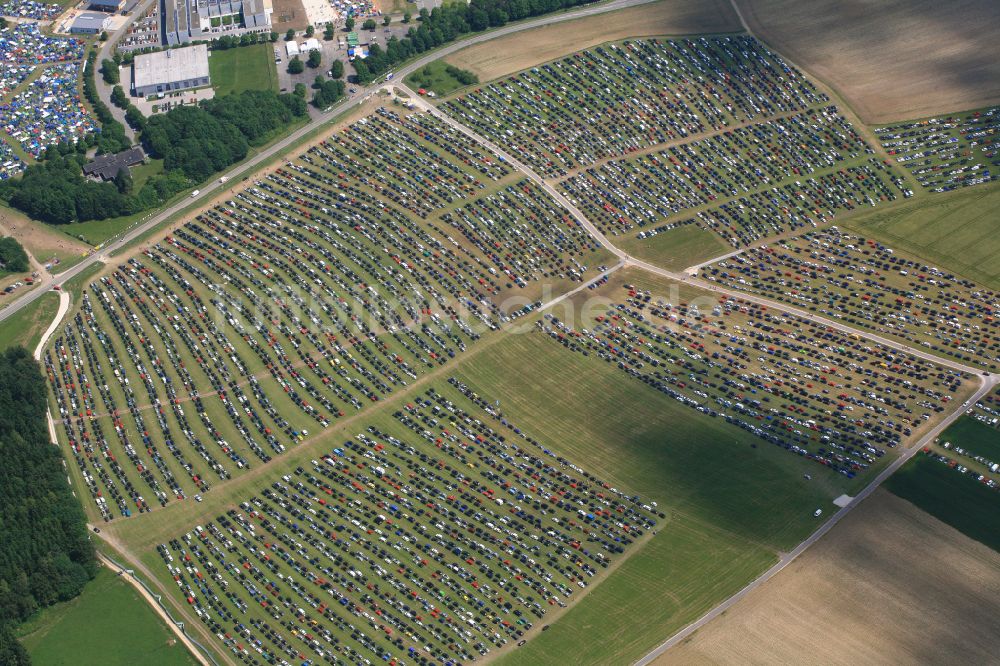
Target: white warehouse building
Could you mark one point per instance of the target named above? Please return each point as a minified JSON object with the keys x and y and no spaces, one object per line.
{"x":167,"y":71}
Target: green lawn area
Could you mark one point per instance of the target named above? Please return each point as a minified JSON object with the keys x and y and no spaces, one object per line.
{"x":435,"y":76}
{"x":107,"y":625}
{"x":973,"y":436}
{"x":75,"y":286}
{"x":952,"y":497}
{"x":243,"y":68}
{"x":143,"y":172}
{"x":95,"y":232}
{"x":954,"y":230}
{"x":730,"y":507}
{"x":620,"y":429}
{"x":675,"y":249}
{"x":684,"y":571}
{"x":26,"y":327}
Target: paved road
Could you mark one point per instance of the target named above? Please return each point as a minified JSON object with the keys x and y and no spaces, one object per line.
{"x":107,"y":52}
{"x":206,"y":191}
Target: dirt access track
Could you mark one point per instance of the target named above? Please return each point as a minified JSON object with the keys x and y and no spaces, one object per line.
{"x":890,"y":59}
{"x":889,"y":584}
{"x":528,"y":48}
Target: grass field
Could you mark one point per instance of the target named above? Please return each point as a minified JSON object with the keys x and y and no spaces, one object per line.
{"x":75,"y":285}
{"x":109,"y":624}
{"x":975,"y":437}
{"x":45,"y":243}
{"x":143,"y":172}
{"x":949,"y":496}
{"x":695,"y":466}
{"x":888,"y":585}
{"x":956,"y":230}
{"x":244,"y":68}
{"x":730,"y":507}
{"x":509,"y":54}
{"x":891,"y":60}
{"x":26,"y":327}
{"x":95,"y":232}
{"x":685,"y":570}
{"x":676,"y":249}
{"x":434,"y":77}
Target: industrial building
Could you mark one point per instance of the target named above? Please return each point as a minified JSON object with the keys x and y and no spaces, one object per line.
{"x":184,"y":21}
{"x":110,"y":6}
{"x":170,"y":70}
{"x":90,"y":24}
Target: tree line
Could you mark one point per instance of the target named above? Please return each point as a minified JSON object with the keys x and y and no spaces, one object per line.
{"x":111,"y":138}
{"x":45,"y":553}
{"x":194,"y":142}
{"x":202,"y":140}
{"x":446,"y":23}
{"x":13,"y":258}
{"x":216,"y":44}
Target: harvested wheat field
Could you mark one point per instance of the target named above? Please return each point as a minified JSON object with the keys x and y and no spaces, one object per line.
{"x":890,"y":59}
{"x":510,"y":54}
{"x":889,"y":584}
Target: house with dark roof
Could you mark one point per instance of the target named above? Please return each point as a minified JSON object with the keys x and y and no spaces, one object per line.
{"x":106,"y":167}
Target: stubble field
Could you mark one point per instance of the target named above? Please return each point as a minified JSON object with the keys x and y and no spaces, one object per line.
{"x":890,"y":60}
{"x":885,"y":587}
{"x":510,"y":54}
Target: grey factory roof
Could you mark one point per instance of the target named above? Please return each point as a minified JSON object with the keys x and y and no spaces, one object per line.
{"x":184,"y":64}
{"x":90,"y":21}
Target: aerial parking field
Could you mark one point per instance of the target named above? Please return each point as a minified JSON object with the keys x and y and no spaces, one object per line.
{"x":948,"y":152}
{"x":815,"y":391}
{"x":541,"y":371}
{"x":743,"y":184}
{"x":718,"y":137}
{"x":324,"y":286}
{"x":573,"y":112}
{"x":442,"y":538}
{"x":868,"y":284}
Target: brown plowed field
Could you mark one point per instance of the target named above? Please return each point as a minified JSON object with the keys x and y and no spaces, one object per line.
{"x":507,"y":55}
{"x":889,"y":585}
{"x":890,"y":59}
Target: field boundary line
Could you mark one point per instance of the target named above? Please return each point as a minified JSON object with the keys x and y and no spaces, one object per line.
{"x":986,"y":385}
{"x":197,"y":650}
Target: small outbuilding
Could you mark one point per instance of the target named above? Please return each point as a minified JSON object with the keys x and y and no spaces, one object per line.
{"x":90,"y":23}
